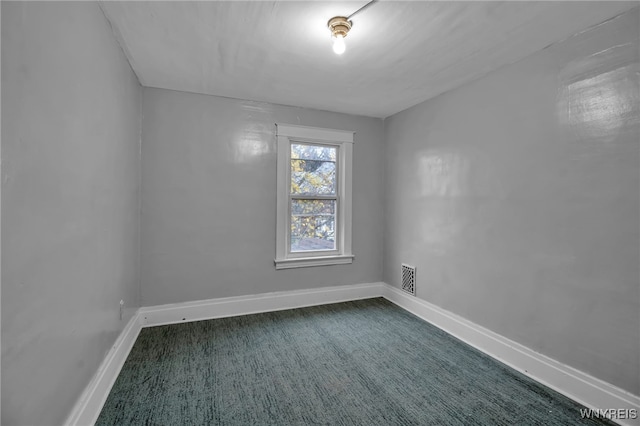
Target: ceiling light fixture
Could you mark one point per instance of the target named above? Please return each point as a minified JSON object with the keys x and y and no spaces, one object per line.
{"x":340,"y":26}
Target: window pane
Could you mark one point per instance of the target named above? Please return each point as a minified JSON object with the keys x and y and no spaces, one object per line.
{"x":313,"y":152}
{"x":313,"y":169}
{"x":313,"y":225}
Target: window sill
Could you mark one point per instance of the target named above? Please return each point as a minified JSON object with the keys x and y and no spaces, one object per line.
{"x":305,"y":262}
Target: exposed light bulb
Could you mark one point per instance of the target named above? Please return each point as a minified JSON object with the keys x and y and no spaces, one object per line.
{"x":339,"y":27}
{"x":338,"y":44}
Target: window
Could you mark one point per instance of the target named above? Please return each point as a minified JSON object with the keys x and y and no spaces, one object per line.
{"x":314,"y":197}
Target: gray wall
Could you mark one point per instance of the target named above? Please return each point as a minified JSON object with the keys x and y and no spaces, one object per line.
{"x":517,"y":198}
{"x":208,"y":198}
{"x":70,"y":203}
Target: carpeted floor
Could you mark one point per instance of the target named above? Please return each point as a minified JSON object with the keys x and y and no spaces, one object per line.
{"x":366,"y":362}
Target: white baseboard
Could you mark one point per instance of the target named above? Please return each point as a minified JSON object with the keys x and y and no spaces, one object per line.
{"x":587,"y":390}
{"x":88,"y":407}
{"x":244,"y":305}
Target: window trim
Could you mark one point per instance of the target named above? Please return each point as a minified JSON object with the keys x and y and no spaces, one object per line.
{"x":286,"y":135}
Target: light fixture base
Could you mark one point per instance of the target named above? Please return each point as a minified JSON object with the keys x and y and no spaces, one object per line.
{"x":339,"y":25}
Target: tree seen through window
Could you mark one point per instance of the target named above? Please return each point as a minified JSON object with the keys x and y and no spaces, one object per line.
{"x":313,"y":197}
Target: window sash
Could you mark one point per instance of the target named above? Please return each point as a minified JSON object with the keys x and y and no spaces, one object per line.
{"x":337,"y":233}
{"x":336,"y":162}
{"x":297,"y":196}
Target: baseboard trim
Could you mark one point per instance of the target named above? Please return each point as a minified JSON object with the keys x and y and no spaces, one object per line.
{"x":581,"y":387}
{"x":90,"y":403}
{"x":245,"y":305}
{"x":88,"y":407}
{"x":587,"y":390}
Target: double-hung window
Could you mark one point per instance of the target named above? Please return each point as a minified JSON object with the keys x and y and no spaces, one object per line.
{"x":314,"y":196}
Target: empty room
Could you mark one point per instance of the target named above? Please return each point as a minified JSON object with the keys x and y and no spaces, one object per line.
{"x":311,"y":212}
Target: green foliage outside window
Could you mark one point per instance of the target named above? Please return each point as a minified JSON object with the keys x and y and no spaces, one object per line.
{"x":313,"y":173}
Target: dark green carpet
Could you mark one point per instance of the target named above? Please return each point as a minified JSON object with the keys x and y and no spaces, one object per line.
{"x":357,"y":363}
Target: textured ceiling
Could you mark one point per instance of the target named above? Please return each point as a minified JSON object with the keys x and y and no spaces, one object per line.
{"x":398,"y":53}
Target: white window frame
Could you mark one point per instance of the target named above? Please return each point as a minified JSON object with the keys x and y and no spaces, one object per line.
{"x":286,"y":135}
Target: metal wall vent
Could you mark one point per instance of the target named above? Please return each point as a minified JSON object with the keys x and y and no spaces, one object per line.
{"x":409,"y":279}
